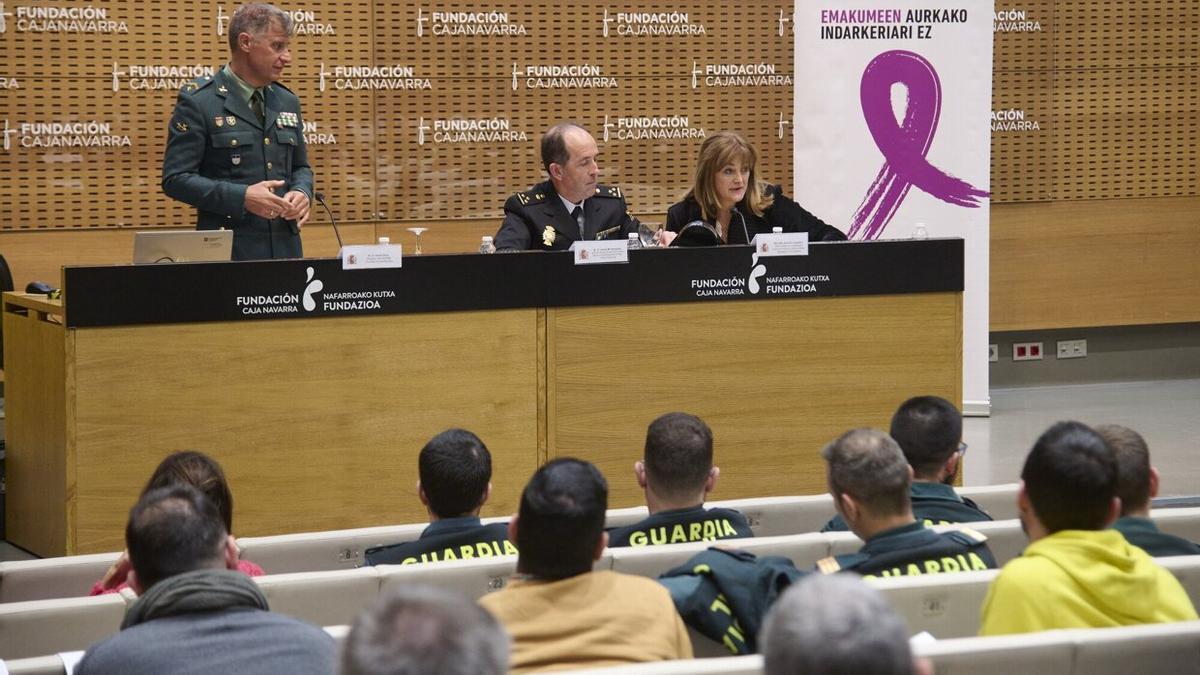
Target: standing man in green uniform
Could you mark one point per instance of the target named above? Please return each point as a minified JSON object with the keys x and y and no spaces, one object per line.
{"x":869,"y":479}
{"x":235,"y":143}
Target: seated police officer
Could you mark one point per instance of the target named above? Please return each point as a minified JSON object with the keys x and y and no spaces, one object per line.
{"x":455,"y":471}
{"x":929,"y":431}
{"x":569,"y":207}
{"x":869,"y":480}
{"x":677,"y":473}
{"x":1137,"y":484}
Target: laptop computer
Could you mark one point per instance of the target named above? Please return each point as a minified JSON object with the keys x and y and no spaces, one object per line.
{"x":182,"y":246}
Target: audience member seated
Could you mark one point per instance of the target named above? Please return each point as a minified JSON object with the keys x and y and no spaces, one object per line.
{"x":425,"y":631}
{"x":559,"y":612}
{"x":870,"y":480}
{"x":836,"y":625}
{"x":455,"y":470}
{"x":195,"y":613}
{"x":677,"y":473}
{"x":1077,"y":573}
{"x":182,"y":468}
{"x":1137,"y":484}
{"x":929,"y":431}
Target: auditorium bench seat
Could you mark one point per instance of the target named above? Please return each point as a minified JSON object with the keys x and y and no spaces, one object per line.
{"x":999,"y":501}
{"x":320,"y":551}
{"x":38,"y":627}
{"x":728,"y":665}
{"x":37,"y":665}
{"x":66,"y":577}
{"x":944,"y":605}
{"x":1186,"y":569}
{"x":1182,"y":522}
{"x":321,"y":598}
{"x":803,"y":549}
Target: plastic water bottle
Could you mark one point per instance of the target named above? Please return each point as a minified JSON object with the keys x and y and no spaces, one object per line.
{"x":486,"y":245}
{"x":919,"y":232}
{"x":634,"y":240}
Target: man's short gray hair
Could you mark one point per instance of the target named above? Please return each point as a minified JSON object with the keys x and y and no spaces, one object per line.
{"x":256,"y":18}
{"x":834,"y":625}
{"x":414,"y":630}
{"x":870,"y":467}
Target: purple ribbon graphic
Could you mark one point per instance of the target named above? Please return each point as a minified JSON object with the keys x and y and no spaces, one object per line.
{"x":904,"y":147}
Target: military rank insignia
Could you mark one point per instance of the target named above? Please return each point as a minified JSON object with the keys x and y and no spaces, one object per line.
{"x":181,"y":126}
{"x":288,"y":119}
{"x":548,"y":236}
{"x":222,"y":90}
{"x":190,"y":87}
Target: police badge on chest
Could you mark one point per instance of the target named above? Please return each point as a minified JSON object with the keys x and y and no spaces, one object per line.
{"x":236,"y":159}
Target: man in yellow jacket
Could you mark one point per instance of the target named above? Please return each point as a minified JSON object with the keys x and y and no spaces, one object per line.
{"x":1076,"y":573}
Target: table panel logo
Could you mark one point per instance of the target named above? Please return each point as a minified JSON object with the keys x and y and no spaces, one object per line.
{"x":469,"y":131}
{"x":304,"y":22}
{"x":758,"y":282}
{"x":354,"y":78}
{"x":738,"y":75}
{"x":306,"y":299}
{"x":651,"y":128}
{"x":468,"y":24}
{"x":784,"y":124}
{"x":581,"y":76}
{"x":59,"y":19}
{"x":787,"y":23}
{"x":142,"y":77}
{"x":1014,"y":21}
{"x":89,"y":134}
{"x":655,"y":24}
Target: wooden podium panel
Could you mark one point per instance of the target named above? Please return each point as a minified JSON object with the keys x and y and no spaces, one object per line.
{"x":774,"y":380}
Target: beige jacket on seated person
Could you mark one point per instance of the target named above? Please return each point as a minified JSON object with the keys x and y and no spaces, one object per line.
{"x":591,"y":620}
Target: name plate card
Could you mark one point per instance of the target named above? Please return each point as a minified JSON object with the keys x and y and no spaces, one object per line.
{"x":370,"y":256}
{"x":778,"y":244}
{"x":601,"y":252}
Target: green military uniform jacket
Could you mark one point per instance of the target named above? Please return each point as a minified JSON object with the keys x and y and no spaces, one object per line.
{"x":912,"y":550}
{"x":538,"y":220}
{"x":1144,"y":534}
{"x":933,"y":504}
{"x":217,"y":147}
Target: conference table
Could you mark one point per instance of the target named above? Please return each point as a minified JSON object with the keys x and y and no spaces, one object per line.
{"x":316,"y":386}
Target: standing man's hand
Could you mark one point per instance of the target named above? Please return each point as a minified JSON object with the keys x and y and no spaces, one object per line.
{"x":262,"y":201}
{"x":299,"y":208}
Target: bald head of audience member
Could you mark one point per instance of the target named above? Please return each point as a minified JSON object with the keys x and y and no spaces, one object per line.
{"x":1069,"y":482}
{"x":836,"y":625}
{"x":676,"y":471}
{"x":172,"y":530}
{"x":929,"y":432}
{"x":416,"y":630}
{"x":1137,"y":479}
{"x":559,"y":528}
{"x":869,"y":479}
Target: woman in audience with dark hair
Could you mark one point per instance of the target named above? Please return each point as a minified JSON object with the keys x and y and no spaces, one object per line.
{"x":728,"y":196}
{"x":191,"y":468}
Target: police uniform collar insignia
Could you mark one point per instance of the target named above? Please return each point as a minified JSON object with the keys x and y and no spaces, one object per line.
{"x":219,"y":121}
{"x":230,"y":120}
{"x":191,"y":86}
{"x":548,"y":236}
{"x":222,"y":89}
{"x":181,"y":126}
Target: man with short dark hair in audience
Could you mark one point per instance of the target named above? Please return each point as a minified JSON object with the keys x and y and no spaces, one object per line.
{"x":1137,"y":484}
{"x":1076,"y":572}
{"x":870,"y":480}
{"x":836,"y":625}
{"x":197,"y":614}
{"x":558,"y":611}
{"x":677,"y":473}
{"x":455,"y":471}
{"x":425,"y":631}
{"x":929,"y":431}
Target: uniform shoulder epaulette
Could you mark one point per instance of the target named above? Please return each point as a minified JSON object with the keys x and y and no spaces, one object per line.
{"x":534,"y":196}
{"x":609,"y":191}
{"x":197,"y":84}
{"x":829,"y":565}
{"x":967,"y":535}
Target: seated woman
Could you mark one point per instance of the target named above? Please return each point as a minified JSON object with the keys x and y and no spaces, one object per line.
{"x":729,"y":196}
{"x":200,"y":471}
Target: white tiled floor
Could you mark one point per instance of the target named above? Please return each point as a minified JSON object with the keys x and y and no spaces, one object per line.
{"x":1166,"y":413}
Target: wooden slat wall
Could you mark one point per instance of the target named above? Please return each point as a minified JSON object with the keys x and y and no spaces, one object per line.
{"x":1109,"y":91}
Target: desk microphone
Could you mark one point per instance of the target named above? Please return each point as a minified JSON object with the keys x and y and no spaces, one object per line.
{"x":321,"y":200}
